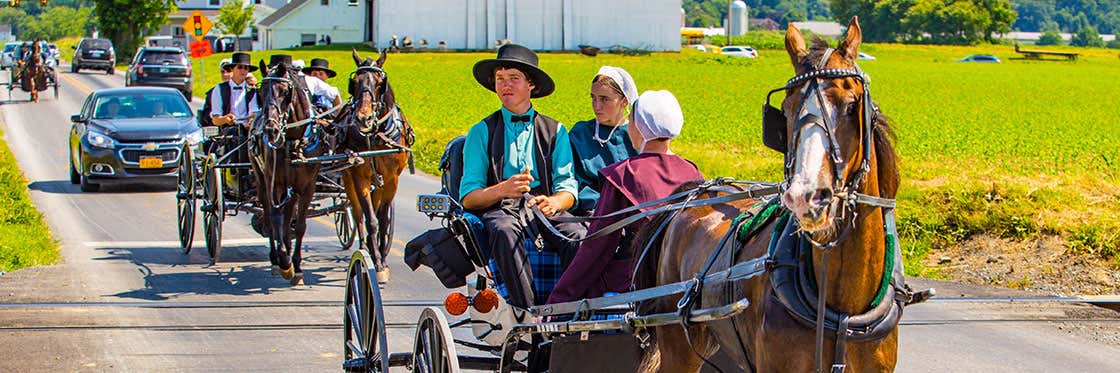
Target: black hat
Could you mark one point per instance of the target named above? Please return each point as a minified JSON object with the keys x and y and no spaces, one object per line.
{"x":241,"y":58}
{"x":275,"y":59}
{"x":321,"y":65}
{"x":523,"y":59}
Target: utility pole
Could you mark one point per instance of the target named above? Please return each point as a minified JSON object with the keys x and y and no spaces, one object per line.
{"x":727,"y":23}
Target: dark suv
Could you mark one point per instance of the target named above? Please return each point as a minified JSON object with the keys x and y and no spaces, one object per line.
{"x":161,"y":67}
{"x":94,"y":54}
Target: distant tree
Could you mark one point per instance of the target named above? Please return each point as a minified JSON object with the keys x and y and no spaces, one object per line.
{"x":1087,"y":37}
{"x":125,"y":21}
{"x":928,"y":21}
{"x":1114,"y":44}
{"x":233,"y":18}
{"x":1050,"y":37}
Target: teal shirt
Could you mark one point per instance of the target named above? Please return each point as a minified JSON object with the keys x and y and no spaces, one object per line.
{"x":519,"y":143}
{"x":591,"y":156}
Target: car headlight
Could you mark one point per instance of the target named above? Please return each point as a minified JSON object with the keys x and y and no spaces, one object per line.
{"x":99,"y":140}
{"x":193,"y":138}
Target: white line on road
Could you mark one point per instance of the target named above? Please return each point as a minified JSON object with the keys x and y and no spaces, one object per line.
{"x":228,"y":241}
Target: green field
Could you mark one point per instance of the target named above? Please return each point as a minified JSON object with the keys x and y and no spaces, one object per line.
{"x":1015,"y":149}
{"x":25,"y":240}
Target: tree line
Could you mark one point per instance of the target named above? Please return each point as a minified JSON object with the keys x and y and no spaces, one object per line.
{"x":59,"y":19}
{"x":710,"y":13}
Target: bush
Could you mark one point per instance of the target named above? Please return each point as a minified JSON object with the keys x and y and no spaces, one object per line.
{"x":1114,"y":44}
{"x":1051,"y":37}
{"x":1087,"y":37}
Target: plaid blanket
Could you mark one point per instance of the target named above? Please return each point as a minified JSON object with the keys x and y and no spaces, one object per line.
{"x":544,"y":264}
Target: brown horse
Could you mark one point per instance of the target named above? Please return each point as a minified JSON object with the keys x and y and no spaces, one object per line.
{"x":834,"y":151}
{"x":373,"y":121}
{"x":284,"y":190}
{"x":33,"y":72}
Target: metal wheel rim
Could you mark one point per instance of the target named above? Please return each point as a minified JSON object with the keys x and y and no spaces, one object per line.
{"x":187,"y":204}
{"x":434,"y":350}
{"x":213,"y":218}
{"x":344,"y":225}
{"x":363,"y":330}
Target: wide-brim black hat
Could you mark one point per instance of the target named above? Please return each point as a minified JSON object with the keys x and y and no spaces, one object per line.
{"x":521,"y":58}
{"x":243,"y":59}
{"x":277,"y":59}
{"x":321,"y":65}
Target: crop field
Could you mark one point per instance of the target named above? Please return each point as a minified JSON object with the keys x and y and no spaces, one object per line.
{"x":1017,"y":149}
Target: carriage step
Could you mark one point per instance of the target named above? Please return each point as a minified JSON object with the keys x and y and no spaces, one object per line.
{"x":359,"y":364}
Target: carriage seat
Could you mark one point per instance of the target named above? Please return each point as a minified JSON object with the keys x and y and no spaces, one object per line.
{"x":544,"y":264}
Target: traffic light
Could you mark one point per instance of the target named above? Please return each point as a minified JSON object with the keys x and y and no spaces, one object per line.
{"x":197,"y":25}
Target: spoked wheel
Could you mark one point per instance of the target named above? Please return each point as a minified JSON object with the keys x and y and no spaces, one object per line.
{"x":214,"y":212}
{"x":186,"y":199}
{"x":364,"y":341}
{"x":344,"y":225}
{"x":434,"y":350}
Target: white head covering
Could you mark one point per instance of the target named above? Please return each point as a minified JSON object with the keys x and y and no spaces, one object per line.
{"x":657,"y":115}
{"x":623,"y":79}
{"x":298,"y":64}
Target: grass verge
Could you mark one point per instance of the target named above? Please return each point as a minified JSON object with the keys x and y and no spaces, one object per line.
{"x":25,"y":240}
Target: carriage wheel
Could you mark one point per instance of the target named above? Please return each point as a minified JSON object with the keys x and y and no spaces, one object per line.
{"x":434,"y":350}
{"x":365,"y":347}
{"x":186,"y":199}
{"x":214,"y":213}
{"x":345,"y":226}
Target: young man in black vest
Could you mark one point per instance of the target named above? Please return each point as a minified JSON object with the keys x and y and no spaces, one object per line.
{"x":233,"y":103}
{"x":514,"y":152}
{"x":204,"y":114}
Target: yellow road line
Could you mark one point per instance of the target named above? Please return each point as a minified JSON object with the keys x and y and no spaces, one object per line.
{"x":395,"y":250}
{"x":76,"y":83}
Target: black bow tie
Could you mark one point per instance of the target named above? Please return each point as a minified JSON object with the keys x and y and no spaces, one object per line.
{"x":520,"y":118}
{"x":237,"y":88}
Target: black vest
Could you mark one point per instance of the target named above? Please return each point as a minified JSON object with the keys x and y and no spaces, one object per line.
{"x":226,"y":90}
{"x":544,"y":142}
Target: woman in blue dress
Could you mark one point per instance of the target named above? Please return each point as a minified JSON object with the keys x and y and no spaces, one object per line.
{"x":602,"y":141}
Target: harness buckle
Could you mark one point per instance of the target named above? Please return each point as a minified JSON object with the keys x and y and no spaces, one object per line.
{"x":838,"y":368}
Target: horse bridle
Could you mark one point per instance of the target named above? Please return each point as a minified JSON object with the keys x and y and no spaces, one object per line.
{"x":815,"y":113}
{"x":379,"y":106}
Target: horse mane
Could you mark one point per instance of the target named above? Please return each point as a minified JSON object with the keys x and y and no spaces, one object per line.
{"x":884,"y":135}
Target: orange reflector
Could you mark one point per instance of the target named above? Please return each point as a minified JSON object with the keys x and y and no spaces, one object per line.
{"x":455,"y":304}
{"x":486,"y":300}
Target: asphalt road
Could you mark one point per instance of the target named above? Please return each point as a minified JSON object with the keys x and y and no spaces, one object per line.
{"x":120,"y":250}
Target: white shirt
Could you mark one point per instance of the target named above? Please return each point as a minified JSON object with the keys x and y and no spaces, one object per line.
{"x":320,"y":88}
{"x":237,"y":103}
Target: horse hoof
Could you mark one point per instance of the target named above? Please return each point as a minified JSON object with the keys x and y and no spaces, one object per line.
{"x":275,"y":270}
{"x":287,"y":274}
{"x":383,"y":276}
{"x":297,"y":280}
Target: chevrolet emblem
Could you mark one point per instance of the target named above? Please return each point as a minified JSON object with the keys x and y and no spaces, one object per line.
{"x":150,"y":146}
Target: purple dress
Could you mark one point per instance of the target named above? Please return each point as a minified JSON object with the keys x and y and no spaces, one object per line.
{"x":596,"y":268}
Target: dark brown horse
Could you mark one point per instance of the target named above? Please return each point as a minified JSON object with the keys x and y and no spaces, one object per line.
{"x":824,"y":166}
{"x":282,"y":133}
{"x":33,"y":73}
{"x":373,"y":121}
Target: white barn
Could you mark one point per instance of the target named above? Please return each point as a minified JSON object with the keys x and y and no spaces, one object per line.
{"x":303,"y":22}
{"x":537,"y":24}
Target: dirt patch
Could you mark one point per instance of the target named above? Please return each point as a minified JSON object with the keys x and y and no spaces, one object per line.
{"x":1041,"y":265}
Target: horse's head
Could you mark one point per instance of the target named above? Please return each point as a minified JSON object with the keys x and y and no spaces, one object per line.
{"x":824,"y":129}
{"x":370,"y":92}
{"x":282,"y":100}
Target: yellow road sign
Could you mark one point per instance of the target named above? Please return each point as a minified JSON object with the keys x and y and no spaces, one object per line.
{"x":197,"y":25}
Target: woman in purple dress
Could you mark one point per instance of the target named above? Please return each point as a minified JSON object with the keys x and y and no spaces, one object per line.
{"x":604,"y":264}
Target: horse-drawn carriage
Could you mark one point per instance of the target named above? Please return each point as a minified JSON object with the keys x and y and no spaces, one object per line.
{"x":33,"y":75}
{"x":725,"y":264}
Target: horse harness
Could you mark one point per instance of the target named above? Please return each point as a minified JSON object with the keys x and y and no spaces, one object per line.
{"x":386,"y":125}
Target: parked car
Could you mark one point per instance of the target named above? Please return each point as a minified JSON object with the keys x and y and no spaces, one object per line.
{"x":981,"y":58}
{"x":93,"y":53}
{"x":129,"y":134}
{"x":161,"y":67}
{"x":739,"y":51}
{"x":8,"y":56}
{"x":865,"y":56}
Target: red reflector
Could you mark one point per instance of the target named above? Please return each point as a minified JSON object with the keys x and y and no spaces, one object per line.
{"x":455,"y":304}
{"x":486,"y":301}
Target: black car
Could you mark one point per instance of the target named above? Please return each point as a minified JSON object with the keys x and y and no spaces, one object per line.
{"x":130,"y":133}
{"x":161,"y":67}
{"x":95,"y":54}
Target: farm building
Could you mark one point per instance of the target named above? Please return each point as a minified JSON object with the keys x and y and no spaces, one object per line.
{"x":537,"y":24}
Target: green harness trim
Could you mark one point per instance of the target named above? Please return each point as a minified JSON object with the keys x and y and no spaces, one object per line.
{"x":747,"y":230}
{"x":760,"y":214}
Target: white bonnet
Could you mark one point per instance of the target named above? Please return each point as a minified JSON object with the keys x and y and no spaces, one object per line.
{"x":657,"y":115}
{"x":623,"y":79}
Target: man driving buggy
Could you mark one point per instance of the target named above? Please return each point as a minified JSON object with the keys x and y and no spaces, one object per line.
{"x":512,"y":154}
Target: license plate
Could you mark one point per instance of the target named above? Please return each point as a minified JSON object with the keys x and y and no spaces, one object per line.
{"x":163,"y":70}
{"x":151,"y":162}
{"x":95,"y":53}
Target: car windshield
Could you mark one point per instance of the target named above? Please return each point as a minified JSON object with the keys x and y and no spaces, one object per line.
{"x":158,"y":105}
{"x":730,"y":49}
{"x":160,"y":57}
{"x":96,"y":44}
{"x":10,"y":47}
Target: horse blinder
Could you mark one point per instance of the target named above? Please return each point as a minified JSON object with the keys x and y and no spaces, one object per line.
{"x":774,"y":134}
